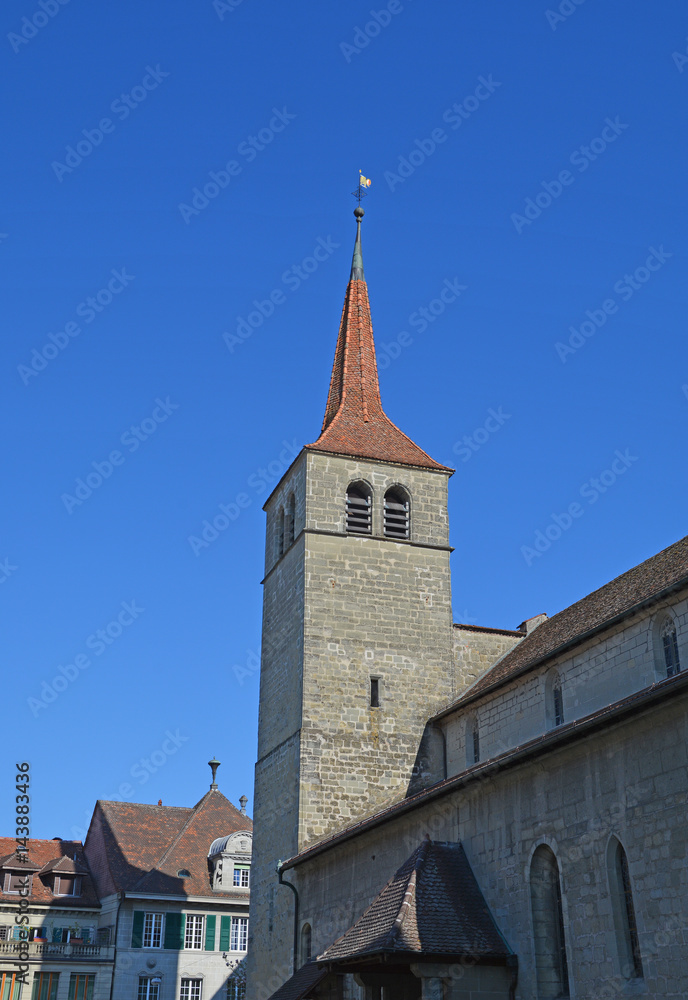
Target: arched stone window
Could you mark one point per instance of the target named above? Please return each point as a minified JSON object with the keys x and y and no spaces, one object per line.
{"x":306,"y":937}
{"x":359,"y":508}
{"x":623,"y":911}
{"x":289,"y":514}
{"x":472,"y":741}
{"x":554,"y":700}
{"x":667,"y":634}
{"x":396,"y":513}
{"x":548,"y":926}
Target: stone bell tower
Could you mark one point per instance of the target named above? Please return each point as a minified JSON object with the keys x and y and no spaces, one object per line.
{"x":356,"y":630}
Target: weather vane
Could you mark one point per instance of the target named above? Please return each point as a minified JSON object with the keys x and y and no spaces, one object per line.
{"x":362,"y":189}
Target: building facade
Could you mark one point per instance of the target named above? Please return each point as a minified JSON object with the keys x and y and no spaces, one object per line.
{"x":456,"y":811}
{"x":174,"y":886}
{"x":68,"y":956}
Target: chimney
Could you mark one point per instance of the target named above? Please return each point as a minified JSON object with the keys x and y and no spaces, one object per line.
{"x":242,"y":802}
{"x":532,"y":623}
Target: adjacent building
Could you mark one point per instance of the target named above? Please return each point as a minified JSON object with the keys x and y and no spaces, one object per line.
{"x":70,"y":958}
{"x":174,"y":887}
{"x":154,"y":905}
{"x":455,"y":811}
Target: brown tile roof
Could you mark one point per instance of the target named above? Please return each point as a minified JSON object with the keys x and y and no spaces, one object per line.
{"x":142,"y":847}
{"x":432,"y":906}
{"x":301,"y":983}
{"x":355,"y":423}
{"x":633,"y":589}
{"x":47,"y":856}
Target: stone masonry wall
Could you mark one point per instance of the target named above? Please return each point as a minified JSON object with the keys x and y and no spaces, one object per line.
{"x":476,"y":650}
{"x":630,"y":781}
{"x":625,"y":659}
{"x":376,"y":607}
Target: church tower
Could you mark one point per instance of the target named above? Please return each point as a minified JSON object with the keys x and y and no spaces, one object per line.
{"x":357,"y":622}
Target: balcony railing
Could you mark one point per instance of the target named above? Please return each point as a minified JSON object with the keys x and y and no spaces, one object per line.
{"x":49,"y":951}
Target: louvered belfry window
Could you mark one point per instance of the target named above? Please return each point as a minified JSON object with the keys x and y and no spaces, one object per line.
{"x":396,"y":514}
{"x":358,"y":509}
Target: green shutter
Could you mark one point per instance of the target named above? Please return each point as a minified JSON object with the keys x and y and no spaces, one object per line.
{"x":53,"y":985}
{"x":90,"y":981}
{"x":174,"y":930}
{"x":210,"y":932}
{"x":37,"y":982}
{"x":57,"y":935}
{"x":72,"y":986}
{"x":225,"y":924}
{"x":137,"y":930}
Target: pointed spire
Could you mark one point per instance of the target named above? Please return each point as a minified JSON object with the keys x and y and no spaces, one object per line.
{"x":357,"y":262}
{"x":355,"y":423}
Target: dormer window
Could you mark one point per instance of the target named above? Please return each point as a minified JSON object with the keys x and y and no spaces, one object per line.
{"x":359,"y":520}
{"x":67,"y":885}
{"x":241,"y":876}
{"x":396,"y":514}
{"x":14,"y":881}
{"x":183,"y":873}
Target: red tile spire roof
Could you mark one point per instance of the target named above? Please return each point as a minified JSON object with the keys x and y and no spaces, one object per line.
{"x":355,"y":423}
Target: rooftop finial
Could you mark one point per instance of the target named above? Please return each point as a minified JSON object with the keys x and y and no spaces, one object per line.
{"x":213,"y":765}
{"x":242,"y":802}
{"x":357,"y":260}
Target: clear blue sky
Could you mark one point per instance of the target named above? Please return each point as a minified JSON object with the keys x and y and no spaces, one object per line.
{"x":592,"y":103}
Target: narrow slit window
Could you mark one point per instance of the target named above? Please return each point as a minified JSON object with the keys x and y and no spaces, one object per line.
{"x":476,"y":744}
{"x":670,"y":646}
{"x":289,"y":521}
{"x":358,"y":510}
{"x":396,"y":514}
{"x":374,"y":692}
{"x":558,"y":706}
{"x":625,"y":925}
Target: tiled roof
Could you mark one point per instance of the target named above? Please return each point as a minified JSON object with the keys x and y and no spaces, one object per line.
{"x":145,"y":846}
{"x":636,"y":587}
{"x":46,"y":857}
{"x":301,"y":983}
{"x":432,"y":906}
{"x":355,"y":423}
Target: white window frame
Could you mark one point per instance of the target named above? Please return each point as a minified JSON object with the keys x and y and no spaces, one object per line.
{"x":152,"y":989}
{"x":153,"y":927}
{"x":244,"y":877}
{"x":191,"y":988}
{"x":8,"y":882}
{"x":193,"y":932}
{"x":238,"y":934}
